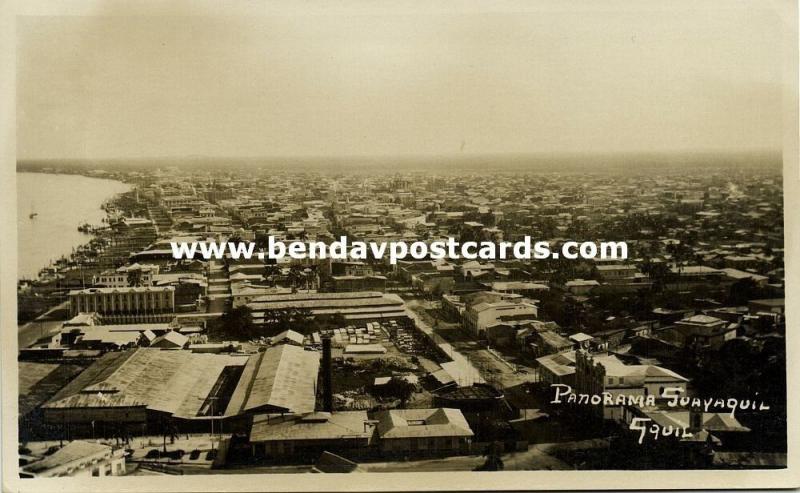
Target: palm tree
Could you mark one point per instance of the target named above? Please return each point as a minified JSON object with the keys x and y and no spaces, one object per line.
{"x":270,"y":272}
{"x":135,"y":278}
{"x":296,"y":275}
{"x":168,"y":430}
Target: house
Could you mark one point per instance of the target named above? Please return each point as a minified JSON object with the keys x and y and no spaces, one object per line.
{"x":599,"y":374}
{"x":170,"y":340}
{"x":78,"y":458}
{"x":439,"y":282}
{"x":280,"y":436}
{"x":106,"y":337}
{"x":504,"y":334}
{"x":453,"y":306}
{"x":476,"y":270}
{"x":697,"y":431}
{"x":351,"y":268}
{"x":609,"y":339}
{"x":737,"y":275}
{"x":517,"y":287}
{"x":706,"y":330}
{"x":352,"y":283}
{"x":557,"y":368}
{"x":772,"y":305}
{"x":688,"y":276}
{"x":580,"y":287}
{"x":616,"y":273}
{"x":407,"y":268}
{"x":190,"y":288}
{"x":604,"y":372}
{"x":121,"y":277}
{"x":740,"y":261}
{"x":480,"y":316}
{"x":548,"y":342}
{"x":423,"y":432}
{"x":581,"y":340}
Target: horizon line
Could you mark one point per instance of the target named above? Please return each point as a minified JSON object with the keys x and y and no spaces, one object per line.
{"x":414,"y":157}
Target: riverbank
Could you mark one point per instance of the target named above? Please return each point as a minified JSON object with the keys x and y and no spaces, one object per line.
{"x":53,"y":256}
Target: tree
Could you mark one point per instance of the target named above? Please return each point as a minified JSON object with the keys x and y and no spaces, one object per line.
{"x":168,"y":430}
{"x":399,"y":388}
{"x":135,"y":277}
{"x":236,"y":324}
{"x":742,"y":291}
{"x":297,"y":319}
{"x":296,"y":276}
{"x":493,"y":460}
{"x":437,"y":291}
{"x":657,"y":271}
{"x":270,"y":272}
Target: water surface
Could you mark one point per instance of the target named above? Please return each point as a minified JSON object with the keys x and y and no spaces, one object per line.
{"x":62,"y":203}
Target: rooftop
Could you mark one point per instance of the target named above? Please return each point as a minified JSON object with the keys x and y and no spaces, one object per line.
{"x":311,"y":426}
{"x":174,"y":382}
{"x":281,"y":379}
{"x":422,"y":423}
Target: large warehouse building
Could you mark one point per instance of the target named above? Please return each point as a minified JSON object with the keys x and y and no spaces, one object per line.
{"x":361,"y":305}
{"x":149,"y":386}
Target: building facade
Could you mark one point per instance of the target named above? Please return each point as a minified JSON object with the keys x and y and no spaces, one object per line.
{"x":145,"y":300}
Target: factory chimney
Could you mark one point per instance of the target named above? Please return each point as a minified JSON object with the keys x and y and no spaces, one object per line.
{"x":327,"y":376}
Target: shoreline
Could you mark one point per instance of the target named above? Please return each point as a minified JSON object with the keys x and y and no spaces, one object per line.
{"x":40,"y":294}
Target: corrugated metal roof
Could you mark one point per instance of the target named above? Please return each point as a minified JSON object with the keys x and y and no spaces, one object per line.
{"x":175,"y":382}
{"x":285,"y":379}
{"x":316,"y":426}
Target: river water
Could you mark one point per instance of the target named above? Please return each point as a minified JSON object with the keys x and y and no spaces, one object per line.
{"x":62,"y":203}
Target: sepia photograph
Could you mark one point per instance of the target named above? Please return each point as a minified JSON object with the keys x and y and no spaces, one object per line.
{"x":412,"y":246}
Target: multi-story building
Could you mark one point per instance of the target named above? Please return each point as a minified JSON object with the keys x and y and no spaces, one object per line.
{"x":706,"y":330}
{"x":142,"y":300}
{"x":122,"y":276}
{"x":608,"y":374}
{"x":480,"y":316}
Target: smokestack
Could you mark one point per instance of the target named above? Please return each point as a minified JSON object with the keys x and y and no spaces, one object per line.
{"x":327,"y":376}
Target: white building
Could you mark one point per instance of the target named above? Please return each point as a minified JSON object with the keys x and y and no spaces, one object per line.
{"x":120,"y":278}
{"x":480,"y":316}
{"x":78,"y":459}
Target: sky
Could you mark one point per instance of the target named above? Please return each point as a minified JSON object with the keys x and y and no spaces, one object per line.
{"x":400,"y":83}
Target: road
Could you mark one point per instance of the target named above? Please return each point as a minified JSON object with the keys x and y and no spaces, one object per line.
{"x":500,"y":369}
{"x":219,"y":288}
{"x":31,"y":332}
